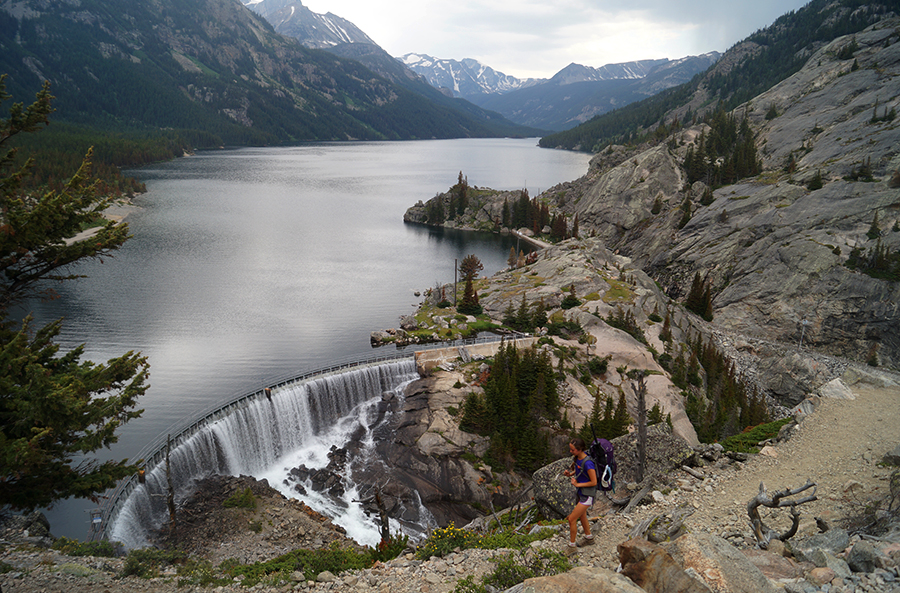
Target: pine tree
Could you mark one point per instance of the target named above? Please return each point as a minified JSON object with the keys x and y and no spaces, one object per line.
{"x":55,"y":409}
{"x":621,"y":419}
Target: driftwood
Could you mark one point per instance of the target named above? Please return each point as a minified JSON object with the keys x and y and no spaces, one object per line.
{"x":637,"y":497}
{"x":779,"y":499}
{"x":692,"y":471}
{"x":662,"y":527}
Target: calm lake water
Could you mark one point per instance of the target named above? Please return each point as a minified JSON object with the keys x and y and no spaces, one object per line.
{"x":252,"y":265}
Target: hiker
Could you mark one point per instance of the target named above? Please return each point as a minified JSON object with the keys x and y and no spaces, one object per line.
{"x":584,"y":477}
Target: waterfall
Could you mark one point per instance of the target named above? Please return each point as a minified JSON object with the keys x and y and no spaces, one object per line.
{"x":262,"y":435}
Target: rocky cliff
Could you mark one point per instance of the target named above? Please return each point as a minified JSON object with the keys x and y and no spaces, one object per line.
{"x":775,"y":246}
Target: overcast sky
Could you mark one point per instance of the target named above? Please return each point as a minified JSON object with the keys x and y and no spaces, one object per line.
{"x":537,"y":38}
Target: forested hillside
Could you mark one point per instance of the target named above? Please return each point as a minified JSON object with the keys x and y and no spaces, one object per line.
{"x":205,"y":73}
{"x":750,"y":67}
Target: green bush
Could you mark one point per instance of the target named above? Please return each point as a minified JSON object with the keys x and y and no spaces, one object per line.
{"x":390,"y":549}
{"x":599,"y":366}
{"x":442,"y":541}
{"x":146,"y":562}
{"x":747,"y":442}
{"x":200,"y":572}
{"x":73,"y":547}
{"x":309,"y":562}
{"x":514,"y":568}
{"x":241,"y":500}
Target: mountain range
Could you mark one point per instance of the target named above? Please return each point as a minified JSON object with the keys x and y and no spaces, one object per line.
{"x":215,"y":73}
{"x":534,"y":102}
{"x":316,"y":31}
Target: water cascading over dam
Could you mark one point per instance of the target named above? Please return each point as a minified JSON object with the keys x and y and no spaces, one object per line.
{"x":257,"y":435}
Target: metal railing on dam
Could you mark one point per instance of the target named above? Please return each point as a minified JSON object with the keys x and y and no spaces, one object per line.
{"x":154,"y":453}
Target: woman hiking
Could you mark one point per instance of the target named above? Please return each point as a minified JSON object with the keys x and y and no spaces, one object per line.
{"x":584,"y":477}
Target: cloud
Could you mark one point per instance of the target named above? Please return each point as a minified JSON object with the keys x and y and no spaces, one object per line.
{"x":538,"y":38}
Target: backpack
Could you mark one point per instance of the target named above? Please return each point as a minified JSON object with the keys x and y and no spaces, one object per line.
{"x":601,"y":451}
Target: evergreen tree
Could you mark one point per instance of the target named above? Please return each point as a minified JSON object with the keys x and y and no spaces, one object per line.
{"x":470,"y":266}
{"x":462,"y":190}
{"x":469,"y":304}
{"x":874,"y":230}
{"x":55,"y":409}
{"x":620,"y":420}
{"x":699,"y":298}
{"x":558,"y":227}
{"x":594,"y":422}
{"x":665,"y":334}
{"x":655,"y":415}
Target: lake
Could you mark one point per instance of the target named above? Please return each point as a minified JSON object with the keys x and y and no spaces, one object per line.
{"x":252,"y":265}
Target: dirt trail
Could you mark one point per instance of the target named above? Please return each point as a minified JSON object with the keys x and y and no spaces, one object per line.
{"x":839,"y":446}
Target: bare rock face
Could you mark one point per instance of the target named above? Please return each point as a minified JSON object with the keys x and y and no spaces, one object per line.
{"x":773,"y":249}
{"x":719,"y":564}
{"x":637,"y":183}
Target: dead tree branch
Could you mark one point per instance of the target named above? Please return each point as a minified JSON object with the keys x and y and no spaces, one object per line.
{"x":663,"y":527}
{"x":779,"y":499}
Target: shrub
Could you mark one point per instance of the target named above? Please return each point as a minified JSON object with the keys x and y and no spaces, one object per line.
{"x":514,"y":568}
{"x":391,"y":548}
{"x":200,"y":572}
{"x":816,"y":182}
{"x":241,"y":500}
{"x":746,"y":442}
{"x":570,"y":300}
{"x":73,"y":547}
{"x":599,"y":366}
{"x":310,"y":562}
{"x":442,"y":541}
{"x":146,"y":562}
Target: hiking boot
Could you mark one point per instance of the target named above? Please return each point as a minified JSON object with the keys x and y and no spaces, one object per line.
{"x":569,"y":550}
{"x":586,"y":541}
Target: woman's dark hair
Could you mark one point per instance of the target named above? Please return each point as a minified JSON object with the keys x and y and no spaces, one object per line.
{"x":579,"y":444}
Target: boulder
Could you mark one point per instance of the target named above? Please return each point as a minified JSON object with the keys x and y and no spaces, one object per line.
{"x":773,"y":565}
{"x":892,"y":457}
{"x":409,"y":323}
{"x":788,"y":378}
{"x":866,"y":557}
{"x":834,"y":541}
{"x":823,"y":559}
{"x":836,"y":389}
{"x":553,"y":492}
{"x":653,"y":569}
{"x":719,"y":564}
{"x":580,"y":579}
{"x":33,"y":528}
